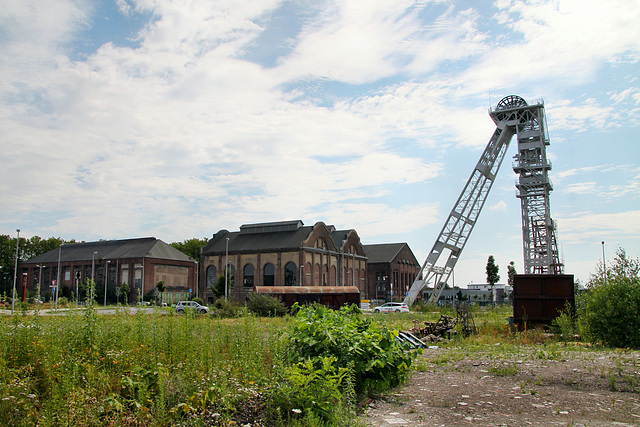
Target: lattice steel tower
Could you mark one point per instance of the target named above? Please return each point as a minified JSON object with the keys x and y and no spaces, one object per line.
{"x":538,"y":229}
{"x":512,"y":116}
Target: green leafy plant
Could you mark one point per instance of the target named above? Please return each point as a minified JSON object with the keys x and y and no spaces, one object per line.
{"x":613,"y":302}
{"x":566,"y":324}
{"x":314,"y":388}
{"x":378,"y":360}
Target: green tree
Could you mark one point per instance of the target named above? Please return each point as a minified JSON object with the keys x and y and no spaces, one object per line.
{"x":7,"y":263}
{"x":29,"y":248}
{"x":511,"y":272}
{"x":161,"y":287}
{"x":218,"y":287}
{"x":191,"y":247}
{"x":124,"y":290}
{"x":609,"y":312}
{"x":492,"y":275}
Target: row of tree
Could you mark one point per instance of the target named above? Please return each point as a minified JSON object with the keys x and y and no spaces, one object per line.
{"x":29,"y":248}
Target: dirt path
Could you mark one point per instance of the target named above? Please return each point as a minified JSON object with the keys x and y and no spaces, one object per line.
{"x":516,"y":386}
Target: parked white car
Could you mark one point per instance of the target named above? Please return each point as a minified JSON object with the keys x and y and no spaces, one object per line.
{"x":183,"y":306}
{"x":392,"y":307}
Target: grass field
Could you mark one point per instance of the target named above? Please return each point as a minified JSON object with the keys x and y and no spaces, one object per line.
{"x":127,"y":369}
{"x":163,"y":369}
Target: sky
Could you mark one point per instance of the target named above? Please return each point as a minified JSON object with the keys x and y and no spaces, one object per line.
{"x":179,"y":118}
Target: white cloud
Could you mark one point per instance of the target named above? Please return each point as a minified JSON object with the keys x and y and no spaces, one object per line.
{"x":587,"y":226}
{"x":582,"y":188}
{"x":380,"y":219}
{"x":182,"y":135}
{"x":560,"y":43}
{"x":500,"y":206}
{"x":354,"y":42}
{"x":629,"y":94}
{"x":582,"y":118}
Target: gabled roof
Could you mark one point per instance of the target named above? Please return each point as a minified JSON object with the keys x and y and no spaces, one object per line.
{"x":146,"y":247}
{"x":256,"y":240}
{"x":272,"y":236}
{"x":383,"y":253}
{"x":339,"y":237}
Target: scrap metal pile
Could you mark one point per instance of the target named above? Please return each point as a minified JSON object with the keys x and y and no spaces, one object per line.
{"x":432,"y":332}
{"x":435,"y":331}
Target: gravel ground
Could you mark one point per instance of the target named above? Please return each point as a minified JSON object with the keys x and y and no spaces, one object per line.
{"x":510,"y":385}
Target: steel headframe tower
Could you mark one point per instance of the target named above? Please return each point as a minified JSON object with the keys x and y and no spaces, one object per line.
{"x":512,"y":116}
{"x":534,"y":186}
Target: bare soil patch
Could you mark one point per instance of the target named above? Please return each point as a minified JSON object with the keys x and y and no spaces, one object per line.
{"x":515,"y":385}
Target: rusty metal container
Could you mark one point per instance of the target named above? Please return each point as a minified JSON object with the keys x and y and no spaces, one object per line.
{"x":331,"y":296}
{"x":539,"y":298}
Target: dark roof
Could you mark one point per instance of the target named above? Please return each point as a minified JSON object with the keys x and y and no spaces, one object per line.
{"x":146,"y":247}
{"x":257,"y":241}
{"x":339,"y":236}
{"x":270,"y":227}
{"x":384,"y":252}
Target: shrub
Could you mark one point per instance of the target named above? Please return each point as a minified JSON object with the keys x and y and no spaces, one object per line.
{"x":266,"y":305}
{"x":566,"y":325}
{"x":378,"y":360}
{"x":309,"y":391}
{"x":227,"y":309}
{"x":612,"y":304}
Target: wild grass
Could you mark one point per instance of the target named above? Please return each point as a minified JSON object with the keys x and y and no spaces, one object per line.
{"x":87,"y":368}
{"x":131,"y":369}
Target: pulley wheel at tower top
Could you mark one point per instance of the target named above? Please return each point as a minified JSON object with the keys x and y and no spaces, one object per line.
{"x":511,"y":101}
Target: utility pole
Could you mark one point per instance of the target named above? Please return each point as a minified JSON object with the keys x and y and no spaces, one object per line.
{"x":15,"y":273}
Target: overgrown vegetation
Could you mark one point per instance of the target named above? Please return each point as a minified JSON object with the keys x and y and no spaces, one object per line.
{"x":233,"y":366}
{"x":377,"y":360}
{"x":266,"y":305}
{"x":608,"y":312}
{"x":141,"y":369}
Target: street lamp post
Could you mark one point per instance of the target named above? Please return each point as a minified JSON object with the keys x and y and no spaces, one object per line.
{"x":604,"y":265}
{"x":15,"y":273}
{"x":343,"y":267}
{"x":106,"y":281}
{"x":39,"y":283}
{"x":57,"y":287}
{"x":197,"y":279}
{"x":93,"y":268}
{"x":226,"y":267}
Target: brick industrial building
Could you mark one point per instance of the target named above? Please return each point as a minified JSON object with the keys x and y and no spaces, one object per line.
{"x":285,"y":253}
{"x":392,"y":268}
{"x":141,"y":263}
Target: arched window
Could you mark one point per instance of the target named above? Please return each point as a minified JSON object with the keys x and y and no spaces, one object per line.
{"x":320,"y":243}
{"x":325,"y":275}
{"x":248,"y":275}
{"x":290,"y":274}
{"x":306,"y":279}
{"x":269,"y":278}
{"x":316,"y":274}
{"x":211,"y":276}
